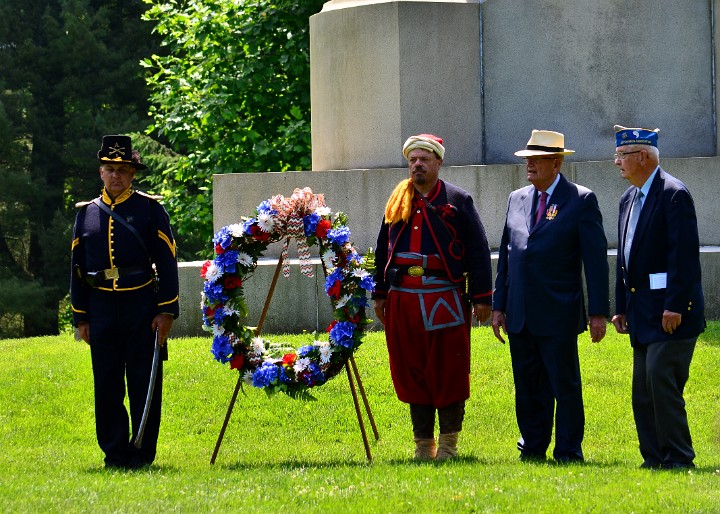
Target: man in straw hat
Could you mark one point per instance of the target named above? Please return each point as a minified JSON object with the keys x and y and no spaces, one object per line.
{"x":430,"y":251}
{"x":124,"y":295}
{"x":658,"y":295}
{"x":553,"y":229}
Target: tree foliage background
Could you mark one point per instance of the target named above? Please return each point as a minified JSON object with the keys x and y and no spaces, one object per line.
{"x":232,"y":95}
{"x":204,"y":87}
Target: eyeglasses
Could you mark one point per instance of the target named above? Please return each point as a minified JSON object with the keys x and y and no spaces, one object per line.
{"x":621,"y":155}
{"x":535,"y":159}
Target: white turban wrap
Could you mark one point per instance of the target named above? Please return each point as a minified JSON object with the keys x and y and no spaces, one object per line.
{"x":426,"y":142}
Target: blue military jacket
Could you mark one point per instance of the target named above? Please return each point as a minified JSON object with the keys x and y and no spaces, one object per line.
{"x":102,"y":243}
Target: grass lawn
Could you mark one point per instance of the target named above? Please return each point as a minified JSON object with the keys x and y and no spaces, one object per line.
{"x":283,"y":455}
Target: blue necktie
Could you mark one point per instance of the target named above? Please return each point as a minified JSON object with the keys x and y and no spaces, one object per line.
{"x":630,"y":232}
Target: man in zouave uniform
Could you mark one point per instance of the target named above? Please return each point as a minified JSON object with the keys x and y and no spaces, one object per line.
{"x":432,"y":257}
{"x":124,"y":294}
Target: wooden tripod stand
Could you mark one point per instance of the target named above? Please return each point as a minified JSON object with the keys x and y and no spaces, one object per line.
{"x":350,"y":363}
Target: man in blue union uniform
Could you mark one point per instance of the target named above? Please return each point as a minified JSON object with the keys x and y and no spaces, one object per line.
{"x":124,"y":292}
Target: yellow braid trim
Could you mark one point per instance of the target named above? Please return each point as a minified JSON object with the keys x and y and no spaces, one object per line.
{"x":399,"y":205}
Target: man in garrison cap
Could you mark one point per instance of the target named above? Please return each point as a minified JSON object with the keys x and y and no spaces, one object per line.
{"x":124,"y":294}
{"x":553,"y":230}
{"x":433,"y":262}
{"x":658,"y":295}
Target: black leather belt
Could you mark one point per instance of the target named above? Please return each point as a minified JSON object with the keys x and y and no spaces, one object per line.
{"x":95,"y":278}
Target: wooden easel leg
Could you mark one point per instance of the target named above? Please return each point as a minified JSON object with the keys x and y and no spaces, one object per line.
{"x":358,"y":412}
{"x":227,"y":419}
{"x":364,"y":397}
{"x":258,"y":329}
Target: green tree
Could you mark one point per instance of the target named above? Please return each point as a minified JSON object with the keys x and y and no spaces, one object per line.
{"x":232,"y":94}
{"x":70,"y":74}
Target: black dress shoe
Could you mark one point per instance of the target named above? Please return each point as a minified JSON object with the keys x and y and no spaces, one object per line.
{"x":650,"y":464}
{"x":677,"y":465}
{"x":531,"y":457}
{"x":569,"y":459}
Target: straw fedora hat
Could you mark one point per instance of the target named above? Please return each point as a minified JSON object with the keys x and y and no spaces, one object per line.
{"x":545,"y":142}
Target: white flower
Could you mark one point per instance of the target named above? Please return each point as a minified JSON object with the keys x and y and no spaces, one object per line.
{"x":328,"y":259}
{"x":360,"y":273}
{"x":265,"y":222}
{"x":213,"y":272}
{"x":258,"y":345}
{"x":342,"y":302}
{"x":301,"y":365}
{"x":230,"y":309}
{"x":325,"y":352}
{"x":218,"y":330}
{"x":247,"y":378}
{"x":245,"y":260}
{"x":236,"y":229}
{"x":322,"y":211}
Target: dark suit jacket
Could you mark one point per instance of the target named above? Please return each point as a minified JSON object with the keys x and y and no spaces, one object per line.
{"x":665,"y":241}
{"x":539,"y":272}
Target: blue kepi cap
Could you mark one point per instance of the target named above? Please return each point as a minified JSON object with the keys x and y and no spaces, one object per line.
{"x":635,"y":136}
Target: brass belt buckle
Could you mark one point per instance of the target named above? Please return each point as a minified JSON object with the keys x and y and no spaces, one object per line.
{"x":416,"y":271}
{"x":112,"y":274}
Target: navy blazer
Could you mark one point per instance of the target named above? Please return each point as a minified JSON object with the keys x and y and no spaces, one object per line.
{"x":539,"y":273}
{"x":665,"y":241}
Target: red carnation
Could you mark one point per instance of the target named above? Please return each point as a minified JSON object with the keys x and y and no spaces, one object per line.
{"x":210,"y":312}
{"x":231,"y":282}
{"x":259,"y":234}
{"x":237,"y":361}
{"x":289,"y":358}
{"x":219,"y":250}
{"x":203,"y":270}
{"x":334,"y":290}
{"x":331,"y":325}
{"x":323,"y":227}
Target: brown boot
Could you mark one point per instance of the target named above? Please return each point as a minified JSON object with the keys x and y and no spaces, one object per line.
{"x":447,"y":447}
{"x":425,"y":449}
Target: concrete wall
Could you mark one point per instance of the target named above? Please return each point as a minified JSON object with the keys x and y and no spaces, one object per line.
{"x":482,"y":76}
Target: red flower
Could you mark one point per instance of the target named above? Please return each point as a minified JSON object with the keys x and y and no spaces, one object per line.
{"x":237,"y":361}
{"x":203,"y":270}
{"x":353,"y":319}
{"x":210,"y":312}
{"x":322,"y":228}
{"x":219,"y":250}
{"x":331,"y":325}
{"x":289,"y":359}
{"x":334,"y":290}
{"x":259,"y":234}
{"x":231,"y":282}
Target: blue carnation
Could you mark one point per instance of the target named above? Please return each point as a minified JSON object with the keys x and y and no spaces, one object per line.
{"x":265,"y":208}
{"x":340,"y":235}
{"x":332,"y":278}
{"x":222,"y":349}
{"x":342,"y":333}
{"x":265,"y":375}
{"x":223,"y":237}
{"x":310,"y":222}
{"x":367,"y":283}
{"x":247,"y":224}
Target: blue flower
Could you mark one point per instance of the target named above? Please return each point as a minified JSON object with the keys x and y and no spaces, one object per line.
{"x":247,"y":224}
{"x":228,"y":261}
{"x":303,"y":351}
{"x":221,"y":349}
{"x":220,"y":315}
{"x":367,"y":283}
{"x":342,"y":333}
{"x":313,"y":375}
{"x":265,"y":208}
{"x":215,"y":292}
{"x":310,"y":222}
{"x":332,"y":278}
{"x":340,"y":235}
{"x":265,"y":375}
{"x":360,"y":301}
{"x":223,"y":237}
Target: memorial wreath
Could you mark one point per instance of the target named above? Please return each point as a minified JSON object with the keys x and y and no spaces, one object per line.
{"x":277,"y":367}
